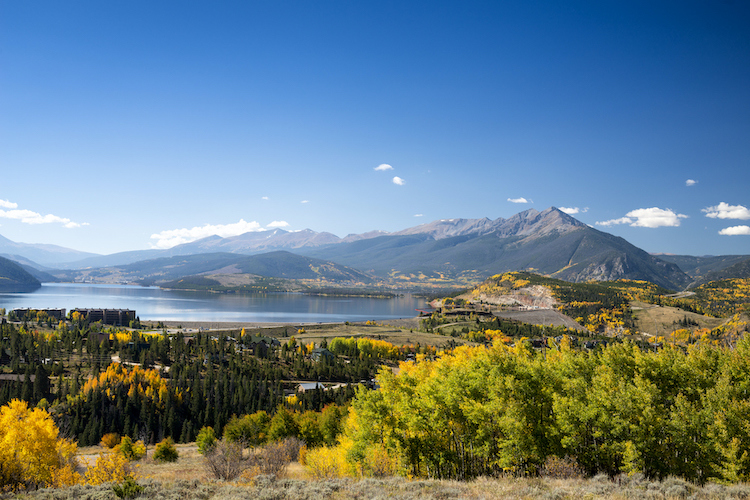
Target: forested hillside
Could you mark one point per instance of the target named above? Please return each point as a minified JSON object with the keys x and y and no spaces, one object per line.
{"x":13,"y":278}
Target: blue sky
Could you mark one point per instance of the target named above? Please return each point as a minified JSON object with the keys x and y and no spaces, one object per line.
{"x":128,"y":125}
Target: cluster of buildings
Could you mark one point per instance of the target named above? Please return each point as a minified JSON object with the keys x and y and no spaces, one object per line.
{"x":117,"y":317}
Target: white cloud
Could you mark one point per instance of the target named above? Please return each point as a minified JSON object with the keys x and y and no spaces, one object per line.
{"x":278,"y":223}
{"x":398,"y":181}
{"x":418,"y":215}
{"x":264,"y":198}
{"x":690,"y":182}
{"x":383,"y":167}
{"x":518,"y":200}
{"x":727,"y":211}
{"x":8,"y":204}
{"x":648,"y":217}
{"x":173,"y":237}
{"x":614,"y":222}
{"x":735,"y":231}
{"x":655,"y":217}
{"x":574,"y":210}
{"x":29,"y":217}
{"x":305,"y":201}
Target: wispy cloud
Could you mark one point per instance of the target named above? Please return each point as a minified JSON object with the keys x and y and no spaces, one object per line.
{"x":398,"y":181}
{"x":735,"y":231}
{"x":418,"y":215}
{"x":574,"y":210}
{"x":383,"y":167}
{"x":264,"y":198}
{"x":647,"y":217}
{"x":278,"y":223}
{"x":690,"y":182}
{"x":518,"y":200}
{"x":727,"y":211}
{"x":615,"y":222}
{"x":305,"y":201}
{"x":30,"y":217}
{"x":173,"y":237}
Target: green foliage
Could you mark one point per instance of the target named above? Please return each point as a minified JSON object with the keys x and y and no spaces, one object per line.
{"x":487,"y":411}
{"x":718,"y":298}
{"x":130,"y":450}
{"x":251,"y":430}
{"x":128,"y":489}
{"x":166,"y":451}
{"x":206,"y":440}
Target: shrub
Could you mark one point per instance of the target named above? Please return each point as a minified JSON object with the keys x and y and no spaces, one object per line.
{"x":130,"y":450}
{"x":326,"y":462}
{"x":378,"y":463}
{"x":250,"y":429}
{"x":110,"y":440}
{"x":109,"y":467}
{"x":206,"y":440}
{"x":166,"y":451}
{"x":562,"y":468}
{"x":128,"y":489}
{"x":273,"y":458}
{"x":224,"y":460}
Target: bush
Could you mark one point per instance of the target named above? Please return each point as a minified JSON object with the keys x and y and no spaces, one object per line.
{"x":206,"y":440}
{"x":562,"y":468}
{"x":128,"y":489}
{"x":273,"y":458}
{"x":166,"y":451}
{"x":130,"y":450}
{"x":249,"y":429}
{"x":110,"y":467}
{"x":110,"y":440}
{"x":224,"y":460}
{"x":326,"y":462}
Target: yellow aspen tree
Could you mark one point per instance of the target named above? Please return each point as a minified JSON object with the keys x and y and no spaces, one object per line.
{"x":31,"y":452}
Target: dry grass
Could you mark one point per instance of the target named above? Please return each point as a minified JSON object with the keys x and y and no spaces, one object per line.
{"x":397,"y":332}
{"x":188,"y":479}
{"x":659,"y":320}
{"x":268,"y":487}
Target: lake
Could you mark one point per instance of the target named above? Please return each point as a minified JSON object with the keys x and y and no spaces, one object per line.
{"x":153,"y":304}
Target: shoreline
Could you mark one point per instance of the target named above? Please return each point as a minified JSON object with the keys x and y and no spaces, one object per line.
{"x":238,"y":325}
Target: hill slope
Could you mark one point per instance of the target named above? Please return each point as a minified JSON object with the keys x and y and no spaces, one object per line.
{"x":46,"y":255}
{"x":278,"y":264}
{"x":13,"y":278}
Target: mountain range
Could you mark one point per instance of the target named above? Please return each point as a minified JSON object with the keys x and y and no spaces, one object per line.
{"x":549,"y":242}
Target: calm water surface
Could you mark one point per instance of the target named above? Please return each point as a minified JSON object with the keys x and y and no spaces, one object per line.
{"x":154,"y":304}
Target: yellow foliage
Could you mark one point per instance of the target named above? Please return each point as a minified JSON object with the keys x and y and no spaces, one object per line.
{"x":31,"y":451}
{"x":110,"y":467}
{"x":326,"y":462}
{"x":292,"y":400}
{"x":130,"y":450}
{"x":147,"y":383}
{"x":110,"y":440}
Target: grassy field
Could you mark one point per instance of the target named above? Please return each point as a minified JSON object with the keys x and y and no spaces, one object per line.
{"x":397,"y":332}
{"x":659,"y":320}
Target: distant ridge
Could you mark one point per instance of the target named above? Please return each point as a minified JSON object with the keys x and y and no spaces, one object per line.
{"x":13,"y":278}
{"x":46,"y":255}
{"x":548,"y":242}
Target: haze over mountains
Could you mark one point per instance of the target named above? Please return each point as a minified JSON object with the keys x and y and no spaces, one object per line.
{"x":549,"y":242}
